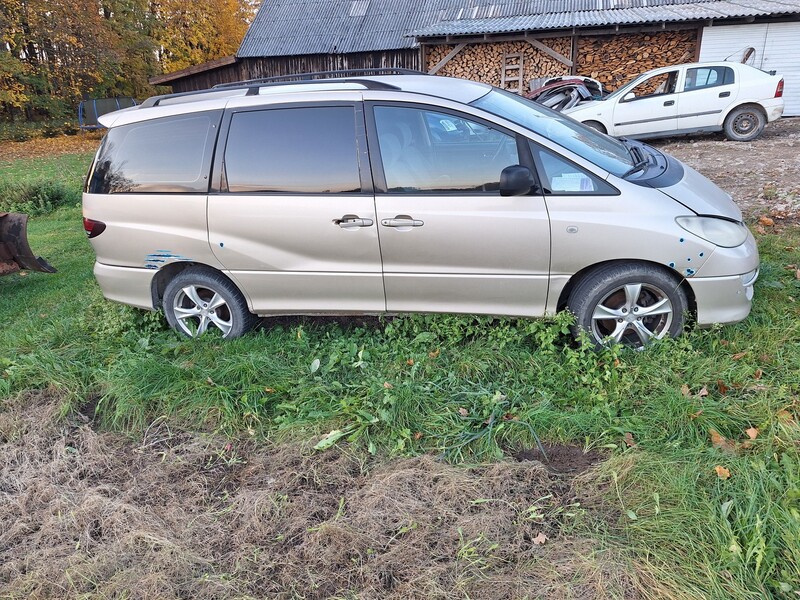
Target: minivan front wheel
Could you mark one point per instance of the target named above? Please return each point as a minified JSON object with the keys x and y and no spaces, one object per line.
{"x":629,"y":304}
{"x":199,"y":300}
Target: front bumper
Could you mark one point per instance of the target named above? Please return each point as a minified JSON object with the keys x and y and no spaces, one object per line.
{"x":723,"y":299}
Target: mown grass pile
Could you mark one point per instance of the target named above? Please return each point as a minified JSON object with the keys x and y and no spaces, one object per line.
{"x":701,"y":490}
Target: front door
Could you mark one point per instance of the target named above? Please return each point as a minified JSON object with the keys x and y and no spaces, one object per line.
{"x":294,"y":223}
{"x":652,"y":108}
{"x":449,"y":241}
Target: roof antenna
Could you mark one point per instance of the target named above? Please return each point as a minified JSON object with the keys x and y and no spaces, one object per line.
{"x":747,"y":54}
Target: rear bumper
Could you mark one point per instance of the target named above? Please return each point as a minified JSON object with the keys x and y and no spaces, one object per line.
{"x":126,"y":284}
{"x":723,"y":299}
{"x":774,"y":108}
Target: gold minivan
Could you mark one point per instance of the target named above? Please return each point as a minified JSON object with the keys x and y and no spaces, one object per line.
{"x":404,"y":193}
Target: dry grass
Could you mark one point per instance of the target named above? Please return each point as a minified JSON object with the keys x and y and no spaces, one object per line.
{"x":177,"y":515}
{"x":47,"y":147}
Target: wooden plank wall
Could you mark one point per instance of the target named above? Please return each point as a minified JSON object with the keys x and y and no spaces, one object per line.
{"x":254,"y":68}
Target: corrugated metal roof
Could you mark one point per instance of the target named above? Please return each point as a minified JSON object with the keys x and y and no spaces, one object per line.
{"x":296,"y":27}
{"x":716,"y":9}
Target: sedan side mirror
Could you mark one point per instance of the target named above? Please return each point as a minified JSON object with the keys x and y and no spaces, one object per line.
{"x":516,"y":180}
{"x":628,"y":97}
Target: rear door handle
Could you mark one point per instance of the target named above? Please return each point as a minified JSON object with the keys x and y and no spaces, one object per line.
{"x":724,"y":94}
{"x":669,"y":103}
{"x":352,"y":222}
{"x":402,"y":221}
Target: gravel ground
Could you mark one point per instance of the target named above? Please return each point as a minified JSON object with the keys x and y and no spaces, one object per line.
{"x":763,"y":176}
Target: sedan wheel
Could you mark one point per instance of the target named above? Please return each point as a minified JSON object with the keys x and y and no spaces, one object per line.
{"x":628,"y":304}
{"x":744,"y":124}
{"x":197,"y":301}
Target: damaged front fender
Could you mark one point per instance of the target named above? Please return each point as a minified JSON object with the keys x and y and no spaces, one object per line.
{"x":15,"y":253}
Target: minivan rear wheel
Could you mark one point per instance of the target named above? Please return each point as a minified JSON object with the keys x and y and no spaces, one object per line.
{"x":629,"y":304}
{"x":199,"y":300}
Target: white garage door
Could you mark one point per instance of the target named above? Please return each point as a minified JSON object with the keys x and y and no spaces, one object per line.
{"x":775,"y":46}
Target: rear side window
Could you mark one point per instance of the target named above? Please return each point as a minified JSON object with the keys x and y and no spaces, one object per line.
{"x":703,"y":77}
{"x":297,"y":150}
{"x":172,"y":154}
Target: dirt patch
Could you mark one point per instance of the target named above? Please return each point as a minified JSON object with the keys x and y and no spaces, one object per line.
{"x":564,"y":459}
{"x":763,"y":176}
{"x":178,"y":515}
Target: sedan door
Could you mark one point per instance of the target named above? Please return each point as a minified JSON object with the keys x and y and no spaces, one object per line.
{"x":450,"y":242}
{"x":293,"y":221}
{"x":707,"y":92}
{"x":650,"y":107}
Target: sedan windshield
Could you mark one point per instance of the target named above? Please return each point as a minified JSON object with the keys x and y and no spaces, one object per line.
{"x":604,"y":151}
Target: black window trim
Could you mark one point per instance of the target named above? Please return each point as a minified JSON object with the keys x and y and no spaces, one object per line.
{"x":219,"y":185}
{"x":379,"y":176}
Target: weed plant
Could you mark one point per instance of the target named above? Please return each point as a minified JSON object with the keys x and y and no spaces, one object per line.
{"x":701,"y":489}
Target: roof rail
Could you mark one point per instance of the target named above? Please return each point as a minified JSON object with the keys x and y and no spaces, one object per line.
{"x":252,"y":85}
{"x":337,"y":74}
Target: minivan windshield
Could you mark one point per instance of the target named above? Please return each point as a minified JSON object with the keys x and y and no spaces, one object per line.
{"x":604,"y":151}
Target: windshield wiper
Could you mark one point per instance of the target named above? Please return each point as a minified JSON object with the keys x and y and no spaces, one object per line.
{"x":640,"y":161}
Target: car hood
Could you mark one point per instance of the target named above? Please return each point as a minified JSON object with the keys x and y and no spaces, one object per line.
{"x":701,"y":195}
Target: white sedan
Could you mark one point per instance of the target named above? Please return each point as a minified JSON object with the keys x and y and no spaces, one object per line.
{"x":697,"y":97}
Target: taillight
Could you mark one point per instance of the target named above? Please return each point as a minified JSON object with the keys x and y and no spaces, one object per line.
{"x":779,"y":89}
{"x":93,"y":228}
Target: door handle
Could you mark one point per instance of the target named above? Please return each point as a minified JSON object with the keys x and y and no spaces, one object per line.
{"x":669,"y":103}
{"x":402,"y":221}
{"x":352,"y":222}
{"x":724,"y":94}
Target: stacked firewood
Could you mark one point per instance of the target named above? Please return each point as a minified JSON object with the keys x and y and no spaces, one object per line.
{"x":615,"y":59}
{"x":484,"y":62}
{"x":611,"y":59}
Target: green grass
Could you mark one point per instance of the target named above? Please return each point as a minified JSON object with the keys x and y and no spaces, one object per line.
{"x":470,"y":389}
{"x":39,"y":185}
{"x":66,"y":168}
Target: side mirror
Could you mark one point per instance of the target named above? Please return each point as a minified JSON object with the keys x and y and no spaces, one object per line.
{"x":516,"y":180}
{"x":629,"y":96}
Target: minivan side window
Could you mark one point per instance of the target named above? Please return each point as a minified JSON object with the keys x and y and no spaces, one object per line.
{"x":562,"y":177}
{"x":428,"y":151}
{"x":171,"y":154}
{"x":310,"y":150}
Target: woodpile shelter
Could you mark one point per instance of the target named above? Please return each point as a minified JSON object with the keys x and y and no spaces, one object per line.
{"x":510,"y":43}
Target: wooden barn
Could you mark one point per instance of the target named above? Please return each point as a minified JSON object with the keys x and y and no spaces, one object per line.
{"x":509,"y":43}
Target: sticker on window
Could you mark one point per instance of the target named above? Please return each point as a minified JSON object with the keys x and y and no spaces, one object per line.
{"x":572,"y":182}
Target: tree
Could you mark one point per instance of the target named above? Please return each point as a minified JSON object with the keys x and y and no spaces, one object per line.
{"x":199,"y":31}
{"x":55,"y":52}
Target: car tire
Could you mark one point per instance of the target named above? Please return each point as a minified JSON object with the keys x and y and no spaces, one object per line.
{"x":628,"y":303}
{"x":744,"y":123}
{"x":198,"y":300}
{"x":596,"y":126}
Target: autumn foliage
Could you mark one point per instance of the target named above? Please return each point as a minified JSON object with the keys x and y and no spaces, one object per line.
{"x":53,"y":53}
